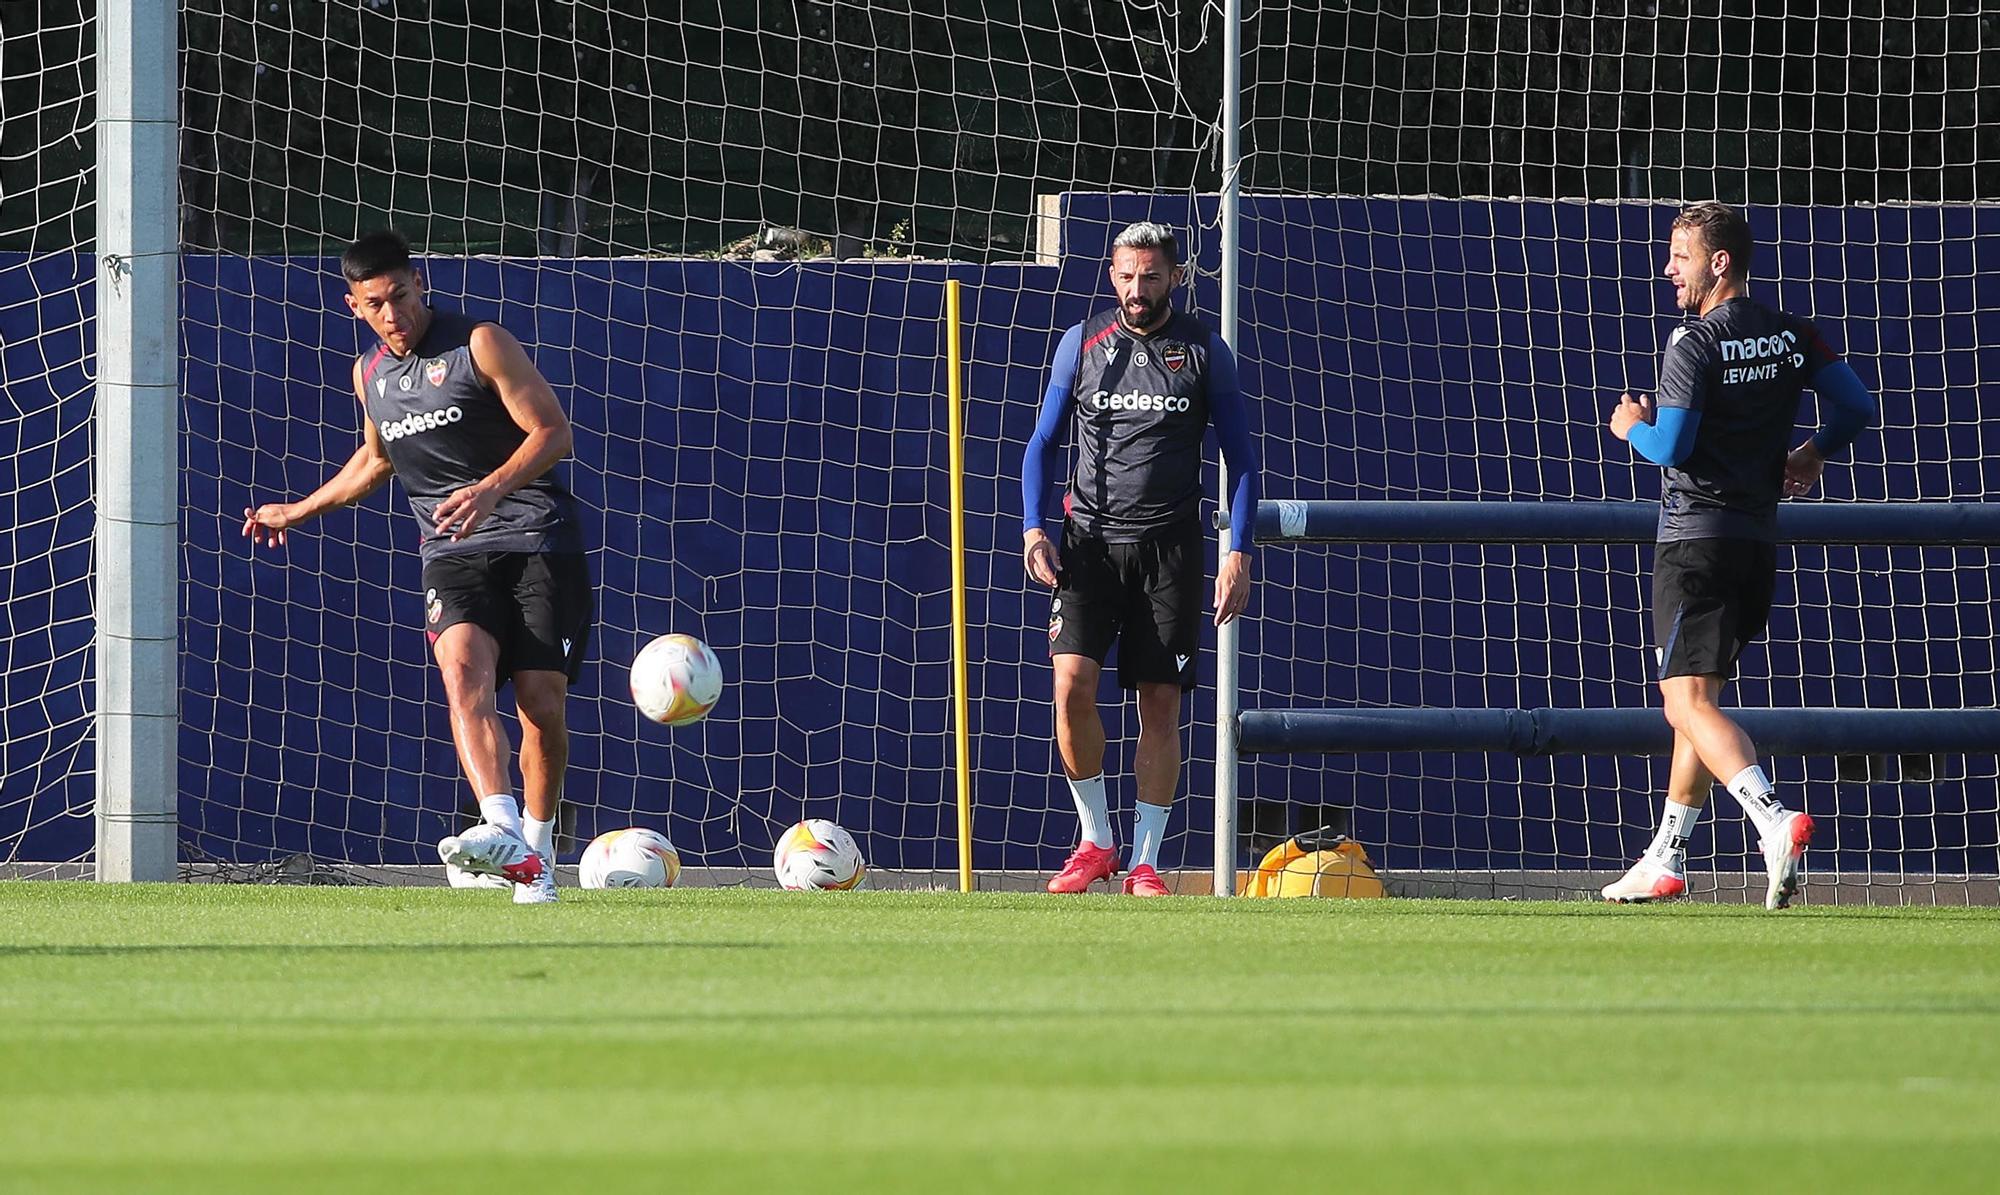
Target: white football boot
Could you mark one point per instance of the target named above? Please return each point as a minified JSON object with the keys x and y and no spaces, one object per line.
{"x":487,"y":849}
{"x":1784,"y":850}
{"x":458,"y":877}
{"x":1648,"y":881}
{"x":542,"y":889}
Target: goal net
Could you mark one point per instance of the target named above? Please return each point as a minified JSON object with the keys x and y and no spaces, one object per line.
{"x":1469,"y":349}
{"x":723,"y":236}
{"x":47,"y":62}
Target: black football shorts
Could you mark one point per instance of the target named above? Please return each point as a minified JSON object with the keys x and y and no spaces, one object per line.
{"x":1146,"y":596}
{"x":1711,"y":597}
{"x":538,"y":606}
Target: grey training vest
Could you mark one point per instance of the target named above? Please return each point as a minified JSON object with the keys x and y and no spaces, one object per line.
{"x":444,"y":428}
{"x":1141,"y":412}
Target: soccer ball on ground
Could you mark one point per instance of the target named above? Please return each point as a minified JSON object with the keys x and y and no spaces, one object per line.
{"x":634,"y":858}
{"x":818,"y":854}
{"x":676,"y":679}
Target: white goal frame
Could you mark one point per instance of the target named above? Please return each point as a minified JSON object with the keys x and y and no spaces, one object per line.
{"x":138,"y":440}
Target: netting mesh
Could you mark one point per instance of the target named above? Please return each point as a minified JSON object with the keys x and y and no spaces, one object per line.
{"x":721,"y":232}
{"x":47,"y":60}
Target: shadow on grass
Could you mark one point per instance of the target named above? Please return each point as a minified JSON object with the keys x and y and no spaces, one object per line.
{"x":1048,"y":1016}
{"x":1592,"y":906}
{"x":61,"y":951}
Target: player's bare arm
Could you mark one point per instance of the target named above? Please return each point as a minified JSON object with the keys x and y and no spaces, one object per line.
{"x":504,"y":364}
{"x":1628,"y":413}
{"x":365,"y":472}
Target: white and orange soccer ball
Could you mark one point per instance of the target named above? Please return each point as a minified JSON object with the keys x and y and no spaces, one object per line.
{"x":818,"y":854}
{"x":676,"y":680}
{"x":633,"y":858}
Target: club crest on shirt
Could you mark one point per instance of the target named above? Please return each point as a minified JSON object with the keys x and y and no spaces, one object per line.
{"x":1175,"y":356}
{"x":434,"y":372}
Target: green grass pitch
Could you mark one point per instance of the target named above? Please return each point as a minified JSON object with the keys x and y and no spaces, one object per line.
{"x":219,"y":1039}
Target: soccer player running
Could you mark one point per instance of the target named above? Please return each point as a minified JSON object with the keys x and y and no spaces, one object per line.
{"x":1139,"y":385}
{"x":453,"y":406}
{"x":1728,"y":400}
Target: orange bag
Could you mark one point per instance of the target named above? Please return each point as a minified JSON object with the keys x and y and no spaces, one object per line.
{"x":1336,"y":867}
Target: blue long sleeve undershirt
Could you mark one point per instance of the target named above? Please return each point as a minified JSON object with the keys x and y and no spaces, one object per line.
{"x":1048,"y":429}
{"x":1226,"y":412}
{"x":1669,"y":438}
{"x":1232,"y":432}
{"x":1851,"y":408}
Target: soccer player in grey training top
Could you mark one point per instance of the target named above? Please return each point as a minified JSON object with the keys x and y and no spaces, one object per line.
{"x":454,"y":408}
{"x":1139,"y":385}
{"x":1728,"y":401}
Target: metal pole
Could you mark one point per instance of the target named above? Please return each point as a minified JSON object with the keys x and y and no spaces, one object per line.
{"x":138,"y":440}
{"x":1226,"y":637}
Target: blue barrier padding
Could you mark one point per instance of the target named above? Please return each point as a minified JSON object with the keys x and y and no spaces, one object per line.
{"x":762,"y":455}
{"x":1614,"y":732}
{"x":1930,"y":524}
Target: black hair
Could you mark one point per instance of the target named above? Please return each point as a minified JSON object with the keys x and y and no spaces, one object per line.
{"x":374,"y":255}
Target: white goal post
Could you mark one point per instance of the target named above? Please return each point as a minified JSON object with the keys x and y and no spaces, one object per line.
{"x":138,"y":442}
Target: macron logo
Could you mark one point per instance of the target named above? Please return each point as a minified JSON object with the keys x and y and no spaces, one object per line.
{"x":1752,"y":348}
{"x":412,"y":424}
{"x":1181,"y":661}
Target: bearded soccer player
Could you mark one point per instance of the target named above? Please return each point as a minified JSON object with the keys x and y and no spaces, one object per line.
{"x":454,"y":408}
{"x":1139,"y":386}
{"x":1727,"y":404}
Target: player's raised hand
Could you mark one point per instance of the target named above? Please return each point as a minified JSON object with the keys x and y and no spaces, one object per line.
{"x":1232,"y":587}
{"x":1803,"y":466}
{"x":266,"y":524}
{"x":464,"y":509}
{"x":1044,"y":563}
{"x":1628,"y":412}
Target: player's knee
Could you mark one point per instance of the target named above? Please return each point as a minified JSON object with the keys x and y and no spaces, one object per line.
{"x":1683,"y":703}
{"x":466,"y":688}
{"x":545,"y":707}
{"x":1160,"y":709}
{"x":1072,"y":689}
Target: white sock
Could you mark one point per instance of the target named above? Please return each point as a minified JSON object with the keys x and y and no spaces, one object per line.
{"x":1092,"y":810}
{"x":1752,"y":789}
{"x":1677,"y":822}
{"x":501,"y":810}
{"x":1149,"y":826}
{"x":540,"y":834}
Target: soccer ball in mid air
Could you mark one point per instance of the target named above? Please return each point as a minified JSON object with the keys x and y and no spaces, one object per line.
{"x":676,"y":679}
{"x":818,"y":854}
{"x":635,"y":858}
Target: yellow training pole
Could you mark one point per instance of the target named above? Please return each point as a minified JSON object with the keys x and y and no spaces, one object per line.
{"x":961,"y":705}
